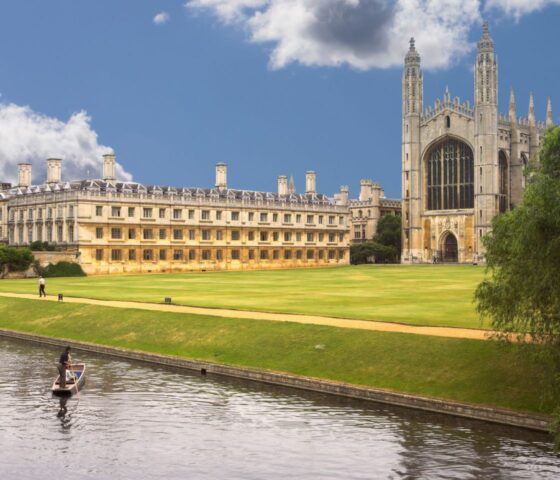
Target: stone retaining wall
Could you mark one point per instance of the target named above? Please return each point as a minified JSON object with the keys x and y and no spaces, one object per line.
{"x":495,"y":415}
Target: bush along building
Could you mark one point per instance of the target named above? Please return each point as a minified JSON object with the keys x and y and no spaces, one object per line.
{"x":461,"y":164}
{"x":122,"y":227}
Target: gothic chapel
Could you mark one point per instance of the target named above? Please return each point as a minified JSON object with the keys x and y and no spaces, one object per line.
{"x":461,"y":164}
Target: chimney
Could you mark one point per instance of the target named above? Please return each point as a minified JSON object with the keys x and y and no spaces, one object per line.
{"x":341,"y":198}
{"x":221,"y":176}
{"x":24,"y":171}
{"x":366,"y":187}
{"x":54,"y":170}
{"x":109,"y":164}
{"x":282,"y":185}
{"x":310,"y":180}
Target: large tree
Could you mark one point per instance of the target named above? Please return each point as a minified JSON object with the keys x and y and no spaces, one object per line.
{"x":14,"y":259}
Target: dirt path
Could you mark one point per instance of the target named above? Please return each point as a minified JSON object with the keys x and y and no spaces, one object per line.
{"x":276,"y":317}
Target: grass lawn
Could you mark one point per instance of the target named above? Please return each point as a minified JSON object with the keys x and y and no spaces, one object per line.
{"x":419,"y":295}
{"x":473,"y":371}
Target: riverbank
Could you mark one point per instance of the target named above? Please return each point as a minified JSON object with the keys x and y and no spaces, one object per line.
{"x":482,"y":373}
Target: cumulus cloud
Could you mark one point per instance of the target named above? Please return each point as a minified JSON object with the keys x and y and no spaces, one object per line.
{"x":28,"y":136}
{"x":518,"y":8}
{"x":161,"y":18}
{"x":363,"y":34}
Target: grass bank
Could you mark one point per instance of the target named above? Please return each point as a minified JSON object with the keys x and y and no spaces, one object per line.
{"x":438,"y":295}
{"x":480,"y":372}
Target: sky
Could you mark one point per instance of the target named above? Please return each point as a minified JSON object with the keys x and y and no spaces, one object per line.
{"x":270,"y":87}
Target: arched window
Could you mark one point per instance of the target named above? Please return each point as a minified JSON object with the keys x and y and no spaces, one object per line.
{"x":450,"y":175}
{"x":447,"y":121}
{"x":504,"y":181}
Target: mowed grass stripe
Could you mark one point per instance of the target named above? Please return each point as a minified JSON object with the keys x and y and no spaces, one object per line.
{"x":486,"y":373}
{"x":437,"y":295}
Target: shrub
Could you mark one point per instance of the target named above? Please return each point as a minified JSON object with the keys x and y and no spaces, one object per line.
{"x":60,"y":269}
{"x":14,"y":259}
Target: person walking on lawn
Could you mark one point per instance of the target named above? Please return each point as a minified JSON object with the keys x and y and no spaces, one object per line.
{"x":42,"y":287}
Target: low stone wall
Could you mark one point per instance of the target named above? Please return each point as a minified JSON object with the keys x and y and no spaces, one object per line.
{"x":44,"y":258}
{"x":494,"y":415}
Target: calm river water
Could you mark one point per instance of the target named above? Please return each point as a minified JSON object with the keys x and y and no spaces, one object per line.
{"x":136,"y":421}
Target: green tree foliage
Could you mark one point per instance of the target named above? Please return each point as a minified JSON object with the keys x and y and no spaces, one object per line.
{"x":38,"y":246}
{"x":14,"y":259}
{"x":389,"y":231}
{"x":368,"y":251}
{"x":522,"y":295}
{"x":60,"y":269}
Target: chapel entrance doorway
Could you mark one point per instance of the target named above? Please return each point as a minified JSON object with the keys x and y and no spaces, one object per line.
{"x":450,"y":249}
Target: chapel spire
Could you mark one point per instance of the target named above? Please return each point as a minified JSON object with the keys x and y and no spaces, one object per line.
{"x":532,"y":120}
{"x":512,"y":107}
{"x":549,"y":117}
{"x":291,"y":185}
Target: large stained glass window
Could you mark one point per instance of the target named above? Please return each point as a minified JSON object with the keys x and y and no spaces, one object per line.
{"x":450,"y":176}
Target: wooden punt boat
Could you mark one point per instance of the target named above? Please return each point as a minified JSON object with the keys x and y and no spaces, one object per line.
{"x":75,"y":381}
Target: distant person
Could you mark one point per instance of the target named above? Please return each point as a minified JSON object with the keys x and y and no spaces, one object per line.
{"x":42,"y":287}
{"x":62,"y":365}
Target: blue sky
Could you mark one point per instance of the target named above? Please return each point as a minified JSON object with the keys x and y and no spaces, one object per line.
{"x":255,"y":87}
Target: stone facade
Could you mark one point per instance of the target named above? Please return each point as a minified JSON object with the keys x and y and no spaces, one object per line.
{"x":367,"y":210}
{"x":127,"y":227}
{"x":461,"y":164}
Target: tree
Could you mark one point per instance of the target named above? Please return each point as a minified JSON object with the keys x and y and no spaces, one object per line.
{"x":14,"y":259}
{"x":389,"y":233}
{"x":522,"y":295}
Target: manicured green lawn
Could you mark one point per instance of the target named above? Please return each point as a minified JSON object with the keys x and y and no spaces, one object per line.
{"x":482,"y":372}
{"x":420,"y":295}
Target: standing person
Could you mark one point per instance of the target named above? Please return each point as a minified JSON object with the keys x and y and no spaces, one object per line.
{"x":42,"y":287}
{"x":62,"y":365}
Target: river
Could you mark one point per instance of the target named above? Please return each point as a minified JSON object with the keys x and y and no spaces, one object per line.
{"x":138,"y":421}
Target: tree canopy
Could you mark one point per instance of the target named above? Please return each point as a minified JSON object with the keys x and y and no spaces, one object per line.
{"x":14,"y":259}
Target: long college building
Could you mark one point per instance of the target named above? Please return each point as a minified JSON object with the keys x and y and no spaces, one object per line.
{"x":120,"y":227}
{"x":461,"y":164}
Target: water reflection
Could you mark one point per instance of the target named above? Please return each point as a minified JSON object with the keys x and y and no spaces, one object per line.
{"x":140,"y":421}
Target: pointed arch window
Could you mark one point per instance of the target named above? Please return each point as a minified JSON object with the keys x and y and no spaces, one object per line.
{"x":450,"y":176}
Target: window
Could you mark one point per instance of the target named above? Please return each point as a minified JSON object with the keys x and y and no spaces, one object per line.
{"x":163,"y":254}
{"x":177,"y":213}
{"x":148,"y":254}
{"x":287,"y":236}
{"x":59,"y":233}
{"x":341,"y":220}
{"x":162,"y":213}
{"x":275,"y":254}
{"x":30,"y":214}
{"x":251,"y":236}
{"x":504,"y":181}
{"x":206,"y":235}
{"x":331,"y":254}
{"x":116,"y":233}
{"x":264,"y":236}
{"x":298,"y":237}
{"x":70,"y":211}
{"x":132,"y":254}
{"x":251,"y":254}
{"x":274,"y":217}
{"x":447,"y":121}
{"x":98,"y":232}
{"x":177,"y":254}
{"x":341,"y":237}
{"x":264,"y":254}
{"x":264,"y":217}
{"x":205,"y":215}
{"x":131,"y":211}
{"x":235,"y":235}
{"x":177,"y":234}
{"x":287,"y":254}
{"x":287,"y":218}
{"x":191,"y":214}
{"x":192,"y":254}
{"x":251,"y":216}
{"x":235,"y":216}
{"x":320,"y":219}
{"x":310,"y":254}
{"x":219,"y":255}
{"x":332,"y":237}
{"x":298,"y":218}
{"x":321,"y":254}
{"x":235,"y":255}
{"x":206,"y":255}
{"x":162,"y":233}
{"x":450,"y":172}
{"x":148,"y":234}
{"x":299,"y":254}
{"x":192,"y":234}
{"x":309,"y":218}
{"x":309,"y":237}
{"x":332,"y":219}
{"x":275,"y":236}
{"x":98,"y":211}
{"x":218,"y":214}
{"x":115,"y":211}
{"x":131,"y":233}
{"x":116,"y":255}
{"x":99,"y":254}
{"x":219,"y":235}
{"x":147,"y":212}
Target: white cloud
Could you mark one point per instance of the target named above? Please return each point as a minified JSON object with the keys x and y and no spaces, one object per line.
{"x":518,"y":8}
{"x":28,"y":136}
{"x":360,"y":33}
{"x":161,"y":18}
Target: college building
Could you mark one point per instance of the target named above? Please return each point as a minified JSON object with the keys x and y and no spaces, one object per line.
{"x":462,"y":164}
{"x":111,"y":226}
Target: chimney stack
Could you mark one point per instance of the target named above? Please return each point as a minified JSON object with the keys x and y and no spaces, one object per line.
{"x":221,"y":176}
{"x":24,"y":174}
{"x":341,"y":198}
{"x":310,"y":181}
{"x":54,"y":170}
{"x":109,"y":164}
{"x":282,"y":185}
